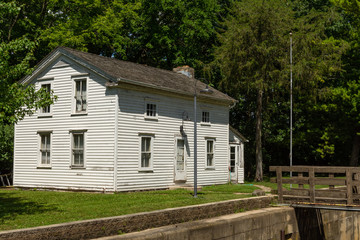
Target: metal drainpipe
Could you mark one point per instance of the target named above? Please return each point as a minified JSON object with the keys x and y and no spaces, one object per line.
{"x":195,"y":146}
{"x":116,"y":132}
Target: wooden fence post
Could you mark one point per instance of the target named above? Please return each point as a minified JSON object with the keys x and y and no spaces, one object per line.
{"x":312,"y":184}
{"x":279,"y":184}
{"x":300,"y":175}
{"x":331,"y":175}
{"x":349,"y":186}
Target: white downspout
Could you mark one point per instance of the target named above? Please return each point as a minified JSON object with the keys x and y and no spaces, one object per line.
{"x":116,"y":138}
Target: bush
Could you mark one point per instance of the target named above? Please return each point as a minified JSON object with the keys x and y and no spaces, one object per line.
{"x":6,"y":148}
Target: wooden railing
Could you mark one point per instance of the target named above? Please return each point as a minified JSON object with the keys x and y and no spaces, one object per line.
{"x":5,"y":179}
{"x":338,"y":184}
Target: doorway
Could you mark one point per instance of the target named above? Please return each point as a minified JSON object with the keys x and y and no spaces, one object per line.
{"x":233,"y":163}
{"x":180,"y":160}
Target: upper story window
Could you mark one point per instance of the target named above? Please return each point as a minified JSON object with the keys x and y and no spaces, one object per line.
{"x":45,"y":149}
{"x":151,"y":110}
{"x":47,"y":110}
{"x":205,"y":118}
{"x":47,"y":88}
{"x":210,"y":153}
{"x":80,"y":95}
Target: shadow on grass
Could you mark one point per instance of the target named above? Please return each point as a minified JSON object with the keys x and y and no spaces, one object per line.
{"x":12,"y":206}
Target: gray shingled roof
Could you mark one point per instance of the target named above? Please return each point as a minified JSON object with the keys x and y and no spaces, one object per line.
{"x":145,"y":76}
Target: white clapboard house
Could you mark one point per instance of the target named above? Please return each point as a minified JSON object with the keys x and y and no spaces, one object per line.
{"x":121,"y":126}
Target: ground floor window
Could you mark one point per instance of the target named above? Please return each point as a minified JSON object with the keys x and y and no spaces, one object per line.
{"x":45,"y":148}
{"x":210,"y":151}
{"x":146,"y":152}
{"x":78,"y":149}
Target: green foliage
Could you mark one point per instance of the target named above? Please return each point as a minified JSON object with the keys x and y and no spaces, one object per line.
{"x":157,"y":33}
{"x":6,"y":148}
{"x":253,"y":45}
{"x":250,"y":59}
{"x":250,"y":49}
{"x":17,"y":51}
{"x":349,"y":5}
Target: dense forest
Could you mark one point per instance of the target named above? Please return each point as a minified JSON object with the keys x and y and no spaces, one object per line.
{"x":240,"y":47}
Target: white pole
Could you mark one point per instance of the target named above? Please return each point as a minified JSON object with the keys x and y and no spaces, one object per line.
{"x":291,"y":106}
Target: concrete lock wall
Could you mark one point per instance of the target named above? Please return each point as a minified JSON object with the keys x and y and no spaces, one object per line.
{"x":270,"y":223}
{"x":263,"y":224}
{"x":328,"y":224}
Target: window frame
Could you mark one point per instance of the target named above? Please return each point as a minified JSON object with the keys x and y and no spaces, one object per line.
{"x":41,"y":113}
{"x":206,"y":123}
{"x":213,"y":140}
{"x":152,"y":102}
{"x":72,"y":143}
{"x":40,"y":150}
{"x":74,"y":92}
{"x":151,"y":160}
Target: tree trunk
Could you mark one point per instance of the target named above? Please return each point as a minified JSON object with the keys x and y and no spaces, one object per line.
{"x":354,"y":161}
{"x":258,"y":153}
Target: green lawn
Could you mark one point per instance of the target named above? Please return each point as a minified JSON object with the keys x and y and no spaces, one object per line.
{"x":287,"y":186}
{"x":22,"y":209}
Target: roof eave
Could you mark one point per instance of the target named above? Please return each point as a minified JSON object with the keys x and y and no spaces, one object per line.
{"x":238,"y":134}
{"x":165,"y":89}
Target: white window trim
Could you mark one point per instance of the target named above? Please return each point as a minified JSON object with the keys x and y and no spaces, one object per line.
{"x":40,"y":111}
{"x":151,"y":164}
{"x":73,"y":102}
{"x":40,"y":164}
{"x":72,"y":132}
{"x":214,"y":153}
{"x":148,"y":101}
{"x":205,"y":123}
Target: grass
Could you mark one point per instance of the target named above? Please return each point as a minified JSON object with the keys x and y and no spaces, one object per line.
{"x":22,"y":209}
{"x":273,"y":186}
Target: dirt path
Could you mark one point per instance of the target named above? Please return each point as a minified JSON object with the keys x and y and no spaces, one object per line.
{"x":266,"y":189}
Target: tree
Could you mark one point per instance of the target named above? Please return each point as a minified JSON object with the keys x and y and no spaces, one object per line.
{"x":17,"y":51}
{"x":254,"y":62}
{"x":252,"y":56}
{"x":352,"y":6}
{"x":158,"y":33}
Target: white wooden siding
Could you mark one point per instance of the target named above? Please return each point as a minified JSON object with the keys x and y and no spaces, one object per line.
{"x":165,"y":128}
{"x":236,"y":140}
{"x":99,"y":123}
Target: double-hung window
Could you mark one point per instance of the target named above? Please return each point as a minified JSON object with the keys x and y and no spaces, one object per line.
{"x":47,"y":110}
{"x":47,"y":88}
{"x":146,"y":152}
{"x":210,"y":153}
{"x":45,"y":149}
{"x":80,"y":95}
{"x":78,"y":149}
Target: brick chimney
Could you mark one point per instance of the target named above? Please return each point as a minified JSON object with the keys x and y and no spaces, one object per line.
{"x":186,"y":70}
